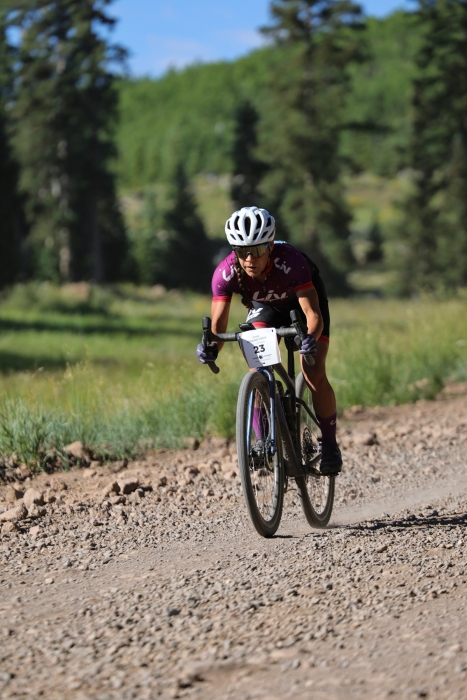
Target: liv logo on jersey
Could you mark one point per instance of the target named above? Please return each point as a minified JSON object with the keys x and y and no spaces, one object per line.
{"x":271,"y":296}
{"x":282,"y":266}
{"x":228,"y":277}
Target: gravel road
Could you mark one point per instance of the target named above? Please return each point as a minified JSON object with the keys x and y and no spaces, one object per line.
{"x":147,"y":580}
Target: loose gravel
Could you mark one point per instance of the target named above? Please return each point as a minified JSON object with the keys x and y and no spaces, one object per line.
{"x":146,"y":580}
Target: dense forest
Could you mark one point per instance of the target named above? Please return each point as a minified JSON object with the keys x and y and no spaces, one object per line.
{"x":350,"y":129}
{"x":192,"y":111}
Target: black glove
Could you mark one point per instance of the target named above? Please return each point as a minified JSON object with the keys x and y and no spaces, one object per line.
{"x":308,"y":346}
{"x":208,"y":354}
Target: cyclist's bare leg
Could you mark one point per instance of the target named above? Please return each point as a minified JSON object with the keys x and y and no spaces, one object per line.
{"x":324,"y":400}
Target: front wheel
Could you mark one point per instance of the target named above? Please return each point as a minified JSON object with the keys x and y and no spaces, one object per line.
{"x":316,"y":492}
{"x":262,"y":474}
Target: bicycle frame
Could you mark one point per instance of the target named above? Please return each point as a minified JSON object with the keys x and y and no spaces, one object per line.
{"x":293,"y":463}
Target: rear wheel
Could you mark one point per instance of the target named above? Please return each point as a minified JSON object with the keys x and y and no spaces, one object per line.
{"x":316,"y":492}
{"x":262,"y":474}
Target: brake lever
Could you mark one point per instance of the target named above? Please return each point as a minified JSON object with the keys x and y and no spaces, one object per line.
{"x":206,"y":338}
{"x":297,"y":324}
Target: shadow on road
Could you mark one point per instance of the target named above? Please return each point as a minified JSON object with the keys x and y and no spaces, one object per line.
{"x":432,"y":520}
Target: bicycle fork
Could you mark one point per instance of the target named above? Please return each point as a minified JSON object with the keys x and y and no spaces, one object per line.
{"x":272,"y":408}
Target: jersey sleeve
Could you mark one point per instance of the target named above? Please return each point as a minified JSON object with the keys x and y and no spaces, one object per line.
{"x":224,"y":281}
{"x":302,"y":272}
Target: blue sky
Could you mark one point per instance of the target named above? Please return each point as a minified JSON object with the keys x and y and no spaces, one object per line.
{"x":164,"y":33}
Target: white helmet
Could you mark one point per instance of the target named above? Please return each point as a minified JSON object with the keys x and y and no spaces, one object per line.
{"x":250,"y":226}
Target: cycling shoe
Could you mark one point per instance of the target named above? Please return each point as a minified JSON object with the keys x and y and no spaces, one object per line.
{"x":331,"y":460}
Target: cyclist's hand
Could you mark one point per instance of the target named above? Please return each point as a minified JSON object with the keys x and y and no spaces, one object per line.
{"x":308,"y":346}
{"x":208,"y":354}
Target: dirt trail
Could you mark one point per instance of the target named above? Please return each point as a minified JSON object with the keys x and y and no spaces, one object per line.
{"x":146,"y":580}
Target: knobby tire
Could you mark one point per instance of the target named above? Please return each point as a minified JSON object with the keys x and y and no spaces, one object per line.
{"x":316,"y":493}
{"x":262,"y":478}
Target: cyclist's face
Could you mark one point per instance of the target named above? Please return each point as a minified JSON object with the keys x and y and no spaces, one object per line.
{"x":255,"y":266}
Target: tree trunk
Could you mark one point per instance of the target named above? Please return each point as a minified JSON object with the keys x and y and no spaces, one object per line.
{"x":64,"y":260}
{"x":97,"y":267}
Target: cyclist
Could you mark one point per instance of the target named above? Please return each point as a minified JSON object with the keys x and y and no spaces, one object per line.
{"x":273,"y":278}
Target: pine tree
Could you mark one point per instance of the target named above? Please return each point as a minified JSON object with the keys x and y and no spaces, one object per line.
{"x":433,"y":246}
{"x":321,"y":39}
{"x":375,"y":250}
{"x":11,"y":214}
{"x":188,"y":252}
{"x":148,"y":242}
{"x":248,"y":170}
{"x":65,"y":108}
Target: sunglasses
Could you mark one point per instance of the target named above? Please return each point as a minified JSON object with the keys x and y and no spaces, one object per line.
{"x":256,"y":251}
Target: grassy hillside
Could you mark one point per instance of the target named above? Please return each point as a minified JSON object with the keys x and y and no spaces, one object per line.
{"x":190,"y":112}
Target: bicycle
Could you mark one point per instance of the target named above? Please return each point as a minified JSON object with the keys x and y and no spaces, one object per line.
{"x":278,"y":435}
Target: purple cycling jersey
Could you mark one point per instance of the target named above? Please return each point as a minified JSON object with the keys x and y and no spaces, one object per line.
{"x":286,"y":274}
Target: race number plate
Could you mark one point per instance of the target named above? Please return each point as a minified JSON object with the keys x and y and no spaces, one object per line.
{"x":260,"y":347}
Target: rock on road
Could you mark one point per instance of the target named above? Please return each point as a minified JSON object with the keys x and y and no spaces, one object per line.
{"x":147,"y":580}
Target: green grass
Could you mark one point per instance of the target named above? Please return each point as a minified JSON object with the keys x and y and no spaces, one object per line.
{"x":116,"y":368}
{"x":381,"y":349}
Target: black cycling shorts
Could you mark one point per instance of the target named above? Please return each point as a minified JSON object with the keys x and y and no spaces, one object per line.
{"x":265,"y":315}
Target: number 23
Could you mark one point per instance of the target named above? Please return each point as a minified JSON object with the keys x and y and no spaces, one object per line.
{"x":259,"y":348}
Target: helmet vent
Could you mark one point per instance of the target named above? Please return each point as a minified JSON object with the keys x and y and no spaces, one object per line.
{"x":250,"y":226}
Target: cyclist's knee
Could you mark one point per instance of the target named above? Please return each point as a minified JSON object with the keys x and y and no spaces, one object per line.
{"x":316,"y":377}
